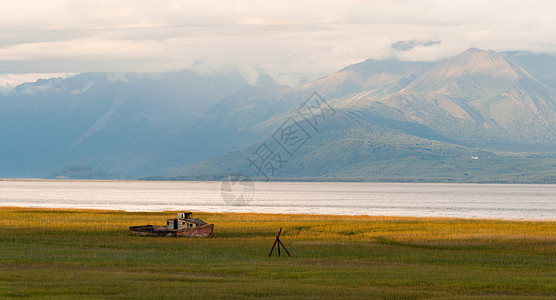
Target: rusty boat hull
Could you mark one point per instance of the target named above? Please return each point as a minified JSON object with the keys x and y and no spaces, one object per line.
{"x":154,"y":230}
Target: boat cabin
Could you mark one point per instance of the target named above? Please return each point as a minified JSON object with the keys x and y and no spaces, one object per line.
{"x":183,"y":221}
{"x":184,"y":215}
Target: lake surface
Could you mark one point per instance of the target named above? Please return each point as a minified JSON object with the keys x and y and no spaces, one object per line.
{"x":507,"y":201}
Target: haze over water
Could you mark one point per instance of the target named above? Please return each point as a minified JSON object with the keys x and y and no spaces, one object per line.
{"x":507,"y":201}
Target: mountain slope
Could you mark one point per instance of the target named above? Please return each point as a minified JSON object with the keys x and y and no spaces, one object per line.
{"x":437,"y":126}
{"x":478,"y":98}
{"x":453,"y":120}
{"x":352,"y":146}
{"x":114,"y":122}
{"x":369,"y":79}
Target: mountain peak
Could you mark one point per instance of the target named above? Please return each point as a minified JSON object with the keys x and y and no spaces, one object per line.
{"x":475,"y":50}
{"x":474,"y":70}
{"x":479,"y":61}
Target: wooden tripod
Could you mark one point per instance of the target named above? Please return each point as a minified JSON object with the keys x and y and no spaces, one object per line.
{"x":277,"y":241}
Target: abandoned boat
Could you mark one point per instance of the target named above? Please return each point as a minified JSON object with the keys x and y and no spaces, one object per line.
{"x":183,"y":225}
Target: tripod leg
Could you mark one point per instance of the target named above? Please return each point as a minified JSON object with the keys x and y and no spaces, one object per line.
{"x":280,"y":243}
{"x":278,"y":247}
{"x":272,"y":247}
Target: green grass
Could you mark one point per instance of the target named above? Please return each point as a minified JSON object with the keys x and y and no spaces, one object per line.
{"x":68,"y":254}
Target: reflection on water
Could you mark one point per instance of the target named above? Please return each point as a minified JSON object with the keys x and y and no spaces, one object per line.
{"x":509,"y":201}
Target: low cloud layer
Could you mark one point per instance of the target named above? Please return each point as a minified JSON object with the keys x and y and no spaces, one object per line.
{"x":290,"y":40}
{"x":408,"y":45}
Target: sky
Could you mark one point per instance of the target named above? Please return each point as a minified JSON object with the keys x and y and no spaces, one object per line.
{"x":292,"y":41}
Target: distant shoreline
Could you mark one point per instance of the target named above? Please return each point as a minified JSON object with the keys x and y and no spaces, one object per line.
{"x":289,"y":214}
{"x":278,"y":180}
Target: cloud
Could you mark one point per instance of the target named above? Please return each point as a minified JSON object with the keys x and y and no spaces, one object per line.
{"x":408,"y":45}
{"x":291,"y":40}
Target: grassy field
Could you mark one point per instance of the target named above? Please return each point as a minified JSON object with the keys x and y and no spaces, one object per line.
{"x":68,"y":254}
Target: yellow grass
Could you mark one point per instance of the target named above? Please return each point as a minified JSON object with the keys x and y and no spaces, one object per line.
{"x":59,"y":253}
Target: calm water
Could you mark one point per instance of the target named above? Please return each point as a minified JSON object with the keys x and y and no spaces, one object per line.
{"x":506,"y":201}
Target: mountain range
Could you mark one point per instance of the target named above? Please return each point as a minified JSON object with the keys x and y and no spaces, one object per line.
{"x":480,"y":116}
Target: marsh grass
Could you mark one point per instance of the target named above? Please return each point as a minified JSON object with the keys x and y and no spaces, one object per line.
{"x":68,"y":254}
